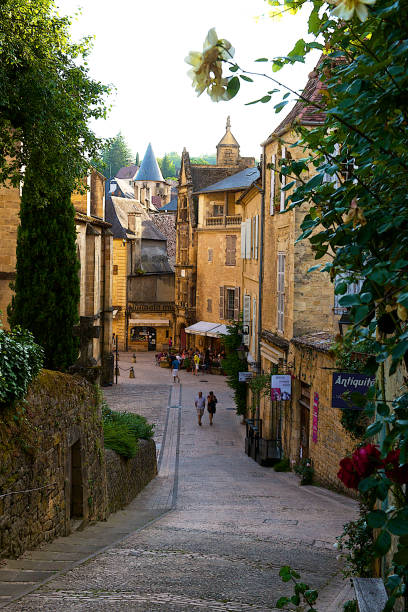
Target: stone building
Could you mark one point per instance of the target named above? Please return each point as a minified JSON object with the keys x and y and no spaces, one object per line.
{"x":297,"y":309}
{"x":219,"y":265}
{"x":192,"y":180}
{"x":143,"y":275}
{"x":94,"y":248}
{"x":9,"y":211}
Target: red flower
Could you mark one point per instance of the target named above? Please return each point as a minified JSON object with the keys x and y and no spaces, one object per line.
{"x":347,"y":473}
{"x":393,"y":470}
{"x":366,"y":460}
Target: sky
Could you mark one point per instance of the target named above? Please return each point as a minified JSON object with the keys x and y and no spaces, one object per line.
{"x":140,"y":47}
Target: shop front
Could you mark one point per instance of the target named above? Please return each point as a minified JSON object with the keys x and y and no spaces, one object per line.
{"x":206,"y":335}
{"x":148,"y":334}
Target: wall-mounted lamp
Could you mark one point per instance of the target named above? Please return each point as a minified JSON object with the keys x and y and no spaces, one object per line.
{"x":344,"y":321}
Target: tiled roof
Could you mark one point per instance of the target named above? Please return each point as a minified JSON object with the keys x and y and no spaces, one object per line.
{"x":321,"y":341}
{"x":167,"y":226}
{"x":156,"y":200}
{"x":303,"y":113}
{"x":149,"y":169}
{"x":117,"y":210}
{"x":124,"y":190}
{"x":170,"y":206}
{"x":202,"y":176}
{"x":239,"y":180}
{"x":127,"y":172}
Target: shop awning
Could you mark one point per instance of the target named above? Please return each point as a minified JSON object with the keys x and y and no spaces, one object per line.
{"x":149,"y":322}
{"x":217,"y":331}
{"x":201,"y":328}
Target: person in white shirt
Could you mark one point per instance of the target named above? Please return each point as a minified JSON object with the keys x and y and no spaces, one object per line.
{"x":200,"y":406}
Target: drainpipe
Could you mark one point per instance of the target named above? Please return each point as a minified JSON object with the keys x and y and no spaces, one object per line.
{"x":261,"y":260}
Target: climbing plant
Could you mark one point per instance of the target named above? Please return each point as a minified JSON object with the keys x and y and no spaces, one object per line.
{"x":232,"y":364}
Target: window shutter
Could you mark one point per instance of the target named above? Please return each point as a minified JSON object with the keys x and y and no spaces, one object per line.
{"x":246,"y":316}
{"x":210,"y":255}
{"x":272,"y":200}
{"x":243,"y":227}
{"x":256,"y":235}
{"x":230,"y":250}
{"x":248,"y":239}
{"x":222,"y":290}
{"x":253,"y":324}
{"x":281,"y":292}
{"x":236,"y":303}
{"x":253,"y":238}
{"x":283,"y":183}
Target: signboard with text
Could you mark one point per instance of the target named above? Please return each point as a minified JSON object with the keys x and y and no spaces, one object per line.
{"x":315,"y":416}
{"x":281,"y":387}
{"x":244,"y":376}
{"x":346,"y":383}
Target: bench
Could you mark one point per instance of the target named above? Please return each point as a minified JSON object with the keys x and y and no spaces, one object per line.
{"x":370,"y":594}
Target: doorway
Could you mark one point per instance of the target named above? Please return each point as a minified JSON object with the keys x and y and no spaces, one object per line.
{"x":304,"y":406}
{"x":77,"y":502}
{"x":182,"y":338}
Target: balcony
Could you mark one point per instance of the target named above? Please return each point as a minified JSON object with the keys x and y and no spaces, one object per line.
{"x":223,"y":221}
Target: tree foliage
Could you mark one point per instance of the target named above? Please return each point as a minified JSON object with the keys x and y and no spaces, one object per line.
{"x":232,"y":365}
{"x":115,"y":154}
{"x":357,"y":221}
{"x":46,"y":103}
{"x":167,"y":167}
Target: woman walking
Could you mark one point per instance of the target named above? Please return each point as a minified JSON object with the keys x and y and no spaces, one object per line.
{"x":211,"y":406}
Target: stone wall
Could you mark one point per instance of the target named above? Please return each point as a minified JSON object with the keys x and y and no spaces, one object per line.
{"x":127,"y":477}
{"x":314,"y":368}
{"x":51,"y":445}
{"x":52,"y":442}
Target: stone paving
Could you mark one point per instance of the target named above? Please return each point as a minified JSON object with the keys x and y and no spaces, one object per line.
{"x":210,"y":532}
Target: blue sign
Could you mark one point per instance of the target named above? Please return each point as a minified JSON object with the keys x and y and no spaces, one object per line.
{"x":344,"y":382}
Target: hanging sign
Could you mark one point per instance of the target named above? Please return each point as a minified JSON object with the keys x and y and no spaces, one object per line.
{"x":281,"y":387}
{"x":315,"y":416}
{"x":344,"y":382}
{"x":245,"y":376}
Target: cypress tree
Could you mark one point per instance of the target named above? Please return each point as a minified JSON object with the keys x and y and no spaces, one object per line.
{"x":47,"y":283}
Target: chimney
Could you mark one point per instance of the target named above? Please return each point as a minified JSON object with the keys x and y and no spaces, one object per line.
{"x":135,"y":226}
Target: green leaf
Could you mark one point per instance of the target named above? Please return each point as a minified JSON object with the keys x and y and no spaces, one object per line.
{"x":282,"y":601}
{"x":349,"y":300}
{"x":262,"y":59}
{"x":401,"y":557}
{"x":233,"y":86}
{"x":373,"y":429}
{"x":398,"y":526}
{"x":246,"y":78}
{"x":400,"y":350}
{"x":315,"y":181}
{"x":367,"y":484}
{"x":278,"y":107}
{"x":383,"y":543}
{"x":376,"y":519}
{"x":234,"y":68}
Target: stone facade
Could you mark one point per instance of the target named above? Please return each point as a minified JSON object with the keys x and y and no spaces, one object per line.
{"x":312,"y":366}
{"x":9,"y":209}
{"x":192,"y":180}
{"x":127,"y":477}
{"x":51,"y":445}
{"x":55,"y":446}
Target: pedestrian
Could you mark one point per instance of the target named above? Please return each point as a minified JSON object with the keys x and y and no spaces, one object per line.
{"x":200,"y":406}
{"x":211,"y":406}
{"x":170,"y":343}
{"x":175,"y":370}
{"x":196,"y":360}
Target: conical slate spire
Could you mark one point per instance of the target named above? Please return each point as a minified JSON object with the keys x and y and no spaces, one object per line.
{"x":149,"y":169}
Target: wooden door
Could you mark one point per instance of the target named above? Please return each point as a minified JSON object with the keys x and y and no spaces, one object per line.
{"x":304,"y":407}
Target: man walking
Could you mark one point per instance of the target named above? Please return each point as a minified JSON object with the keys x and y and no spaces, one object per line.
{"x":175,"y":369}
{"x":200,"y":406}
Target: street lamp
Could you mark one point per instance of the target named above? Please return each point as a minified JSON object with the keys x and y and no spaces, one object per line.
{"x":242,"y":352}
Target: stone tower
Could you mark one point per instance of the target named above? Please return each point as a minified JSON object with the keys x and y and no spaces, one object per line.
{"x":228,"y":148}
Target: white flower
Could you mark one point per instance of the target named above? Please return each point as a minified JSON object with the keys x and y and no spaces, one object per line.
{"x":345,"y":9}
{"x":206,"y":72}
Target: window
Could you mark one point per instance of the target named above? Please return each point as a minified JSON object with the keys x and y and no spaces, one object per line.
{"x":272,"y":200}
{"x":218,"y":210}
{"x":254,"y":325}
{"x":246,"y":317}
{"x":230,"y":250}
{"x":209,"y":305}
{"x":256,"y":232}
{"x":210,"y":255}
{"x":281,"y":291}
{"x":353,"y":288}
{"x":283,"y":183}
{"x":229,"y":303}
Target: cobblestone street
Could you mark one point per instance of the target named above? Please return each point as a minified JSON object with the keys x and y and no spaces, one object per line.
{"x":210,"y":532}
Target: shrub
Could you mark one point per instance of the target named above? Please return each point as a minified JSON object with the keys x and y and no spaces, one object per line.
{"x":122,"y":430}
{"x":20,"y":361}
{"x":282,"y":466}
